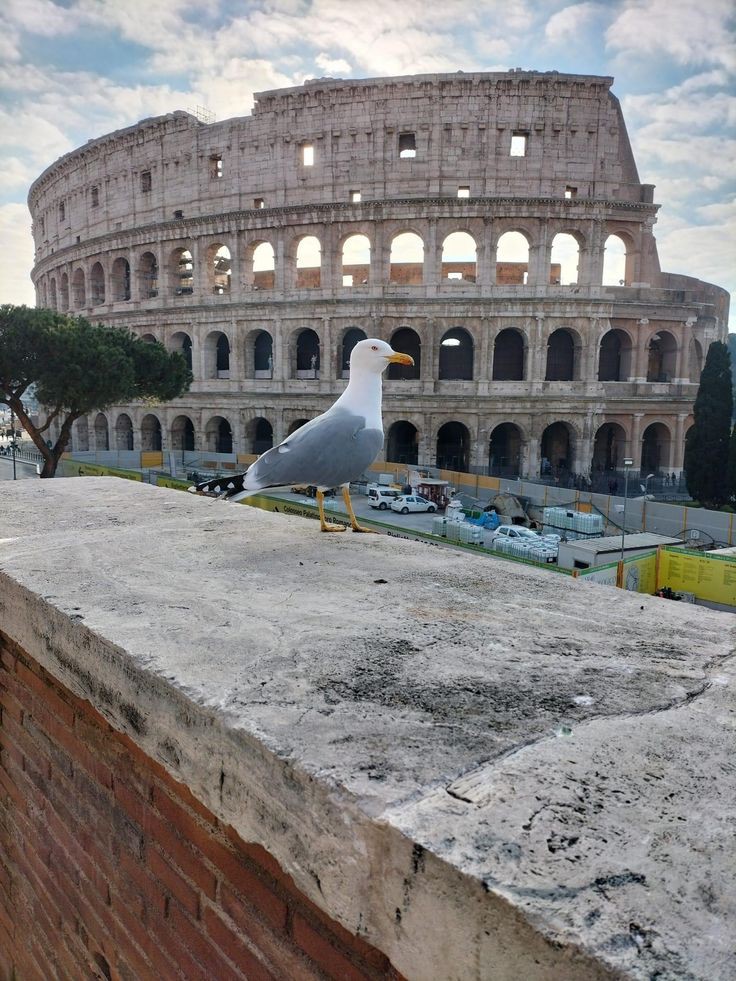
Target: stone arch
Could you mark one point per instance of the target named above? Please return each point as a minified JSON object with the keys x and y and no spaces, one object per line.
{"x":53,"y":301}
{"x":402,"y":443}
{"x":148,"y":338}
{"x":306,"y":354}
{"x":182,"y":342}
{"x":259,"y":354}
{"x":662,"y":357}
{"x":453,"y":447}
{"x":564,"y":260}
{"x":151,"y":436}
{"x":217,"y":355}
{"x":219,"y":269}
{"x":456,"y":355}
{"x":181,"y":272}
{"x":81,"y":434}
{"x":64,"y":293}
{"x":97,"y":285}
{"x":218,"y":435}
{"x":695,"y":361}
{"x":120,"y":280}
{"x":102,"y":432}
{"x":350,"y":338}
{"x":148,"y":276}
{"x":356,"y":261}
{"x":260,"y":266}
{"x":615,"y":356}
{"x":79,"y":289}
{"x":561,"y":355}
{"x":296,"y":424}
{"x":406,"y":341}
{"x":509,"y":355}
{"x":504,"y":450}
{"x":182,"y":434}
{"x":609,"y":447}
{"x":308,"y":257}
{"x":406,"y":260}
{"x":557,"y":449}
{"x":655,"y":448}
{"x":124,"y":432}
{"x":512,"y":258}
{"x":615,"y":260}
{"x":259,"y":435}
{"x":460,"y":257}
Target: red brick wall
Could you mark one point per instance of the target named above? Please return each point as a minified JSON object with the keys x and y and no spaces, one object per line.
{"x":109,"y":868}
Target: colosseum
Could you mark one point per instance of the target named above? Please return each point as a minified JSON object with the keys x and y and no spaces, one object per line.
{"x":492,"y":225}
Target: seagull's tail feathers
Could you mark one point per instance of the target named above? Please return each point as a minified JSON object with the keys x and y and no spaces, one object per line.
{"x":227,"y":486}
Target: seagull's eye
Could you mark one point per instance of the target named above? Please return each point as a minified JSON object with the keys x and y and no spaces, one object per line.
{"x":374,"y":347}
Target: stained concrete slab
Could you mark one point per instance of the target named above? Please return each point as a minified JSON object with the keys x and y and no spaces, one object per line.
{"x":487,"y":770}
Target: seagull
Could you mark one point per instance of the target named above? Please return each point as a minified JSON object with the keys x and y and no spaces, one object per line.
{"x":331,"y":450}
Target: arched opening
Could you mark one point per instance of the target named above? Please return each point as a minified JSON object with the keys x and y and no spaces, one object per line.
{"x":97,"y":285}
{"x":120,"y":280}
{"x":148,"y":276}
{"x":504,"y":451}
{"x":64,"y":292}
{"x":81,"y":434}
{"x":53,"y":302}
{"x":459,"y":257}
{"x":557,"y":451}
{"x":217,"y":355}
{"x":609,"y":448}
{"x":124,"y":432}
{"x":182,"y":342}
{"x":614,"y":362}
{"x":508,"y":356}
{"x":309,"y":263}
{"x":219,"y":435}
{"x":655,"y":449}
{"x":260,"y":435}
{"x":151,"y":433}
{"x":219,"y":269}
{"x":662,"y":357}
{"x":262,"y":261}
{"x":512,"y":259}
{"x":695,"y":361}
{"x":614,"y":262}
{"x":263,"y":356}
{"x":453,"y":447}
{"x":79,"y":291}
{"x":182,"y":434}
{"x":350,"y":339}
{"x":102,"y":433}
{"x":407,"y":259}
{"x":564,"y":258}
{"x":296,"y":424}
{"x":406,"y":341}
{"x":181,"y":272}
{"x":560,"y":356}
{"x":402,"y":445}
{"x":356,"y":260}
{"x":307,"y":354}
{"x":456,"y":355}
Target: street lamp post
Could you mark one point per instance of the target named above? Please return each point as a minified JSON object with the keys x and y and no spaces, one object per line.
{"x":12,"y":440}
{"x":628,"y":464}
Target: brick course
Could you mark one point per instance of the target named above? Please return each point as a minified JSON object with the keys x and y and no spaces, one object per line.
{"x":109,"y":868}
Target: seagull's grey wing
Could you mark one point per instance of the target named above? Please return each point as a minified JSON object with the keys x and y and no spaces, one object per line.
{"x":328,"y":451}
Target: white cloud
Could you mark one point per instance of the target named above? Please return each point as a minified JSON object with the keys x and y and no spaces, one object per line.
{"x":332,"y":66}
{"x":17,"y":246}
{"x":567,"y":24}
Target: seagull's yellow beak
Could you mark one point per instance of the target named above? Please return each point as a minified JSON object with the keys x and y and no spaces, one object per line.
{"x":400,"y":359}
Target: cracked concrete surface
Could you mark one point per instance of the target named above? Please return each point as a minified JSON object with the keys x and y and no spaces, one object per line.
{"x":487,"y":770}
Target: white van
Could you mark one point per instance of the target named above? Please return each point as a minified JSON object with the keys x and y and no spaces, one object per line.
{"x":381,"y":497}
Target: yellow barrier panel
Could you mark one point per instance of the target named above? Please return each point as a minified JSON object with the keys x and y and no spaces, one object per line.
{"x":75,"y":469}
{"x":639,"y":573}
{"x":245,"y":459}
{"x":152,"y":459}
{"x":709,"y":577}
{"x":173,"y":483}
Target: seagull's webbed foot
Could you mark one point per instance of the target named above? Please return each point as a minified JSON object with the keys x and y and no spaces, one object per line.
{"x":353,"y":520}
{"x":325,"y":525}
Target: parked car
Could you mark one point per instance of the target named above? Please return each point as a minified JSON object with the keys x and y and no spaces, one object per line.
{"x":382,"y":497}
{"x":412,"y":502}
{"x":514,"y":533}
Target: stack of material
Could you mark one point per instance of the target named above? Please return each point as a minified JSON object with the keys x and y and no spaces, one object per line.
{"x":572,"y":524}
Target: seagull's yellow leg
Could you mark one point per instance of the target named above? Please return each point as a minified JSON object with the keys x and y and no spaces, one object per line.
{"x":353,"y":520}
{"x":324,"y":526}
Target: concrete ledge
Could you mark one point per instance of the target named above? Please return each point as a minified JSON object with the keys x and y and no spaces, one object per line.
{"x":485,"y":772}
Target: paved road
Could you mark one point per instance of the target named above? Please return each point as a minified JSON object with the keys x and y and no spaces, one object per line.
{"x":23,"y":470}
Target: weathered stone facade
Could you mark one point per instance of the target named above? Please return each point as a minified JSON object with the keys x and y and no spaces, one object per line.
{"x":235,"y":242}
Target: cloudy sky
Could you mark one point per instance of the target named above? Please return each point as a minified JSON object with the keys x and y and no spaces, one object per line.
{"x":72,"y":70}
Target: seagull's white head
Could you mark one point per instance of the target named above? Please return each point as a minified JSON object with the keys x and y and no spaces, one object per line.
{"x":373,"y":356}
